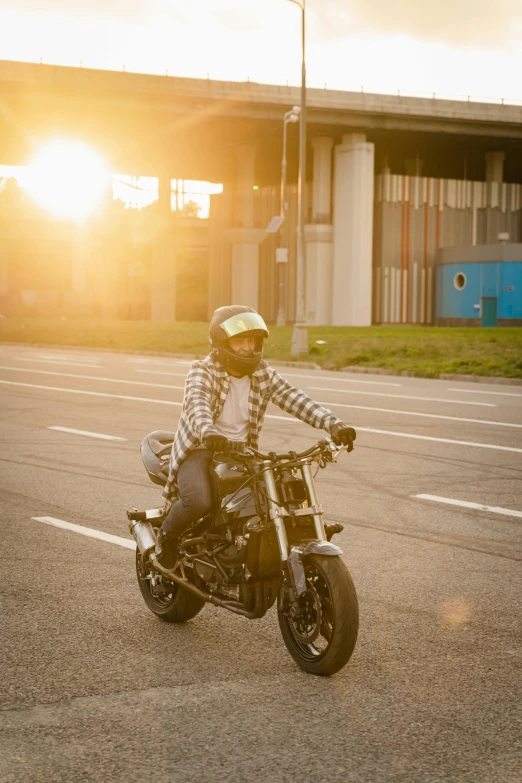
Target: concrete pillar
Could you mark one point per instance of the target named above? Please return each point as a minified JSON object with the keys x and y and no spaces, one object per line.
{"x":163,"y":278}
{"x":4,"y":269}
{"x":245,"y":274}
{"x":165,"y":194}
{"x":78,"y":301}
{"x":318,"y":237}
{"x":108,"y":294}
{"x":319,"y":274}
{"x":322,"y":185}
{"x":244,"y":237}
{"x":80,"y":259}
{"x":495,"y":166}
{"x":164,"y":251}
{"x":245,"y":181}
{"x":353,"y":232}
{"x":244,"y":288}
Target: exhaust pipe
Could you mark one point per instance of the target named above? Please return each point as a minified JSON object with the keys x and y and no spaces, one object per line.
{"x":212,"y":599}
{"x":142,"y":530}
{"x":145,"y":538}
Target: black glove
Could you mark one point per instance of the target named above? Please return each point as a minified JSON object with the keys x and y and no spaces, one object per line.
{"x":216,"y":442}
{"x":343,"y":435}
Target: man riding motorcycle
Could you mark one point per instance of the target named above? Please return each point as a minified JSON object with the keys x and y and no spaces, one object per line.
{"x":226,"y":396}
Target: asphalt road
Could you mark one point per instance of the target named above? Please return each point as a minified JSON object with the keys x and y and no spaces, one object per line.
{"x":95,"y":688}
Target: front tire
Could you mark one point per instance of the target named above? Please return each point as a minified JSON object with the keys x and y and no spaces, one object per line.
{"x":322,"y":639}
{"x":175,"y":605}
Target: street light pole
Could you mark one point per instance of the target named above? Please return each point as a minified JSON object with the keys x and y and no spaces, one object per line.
{"x":282,"y":250}
{"x":300,"y":333}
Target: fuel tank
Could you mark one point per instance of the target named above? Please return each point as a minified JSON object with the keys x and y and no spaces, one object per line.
{"x":227,"y":475}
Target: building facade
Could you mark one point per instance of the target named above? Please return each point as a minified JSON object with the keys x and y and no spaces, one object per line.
{"x":479,"y":286}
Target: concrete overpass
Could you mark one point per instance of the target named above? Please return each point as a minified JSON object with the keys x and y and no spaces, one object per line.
{"x":146,"y":124}
{"x":390,"y":180}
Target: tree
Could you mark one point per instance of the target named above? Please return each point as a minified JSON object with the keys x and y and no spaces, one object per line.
{"x":11,"y":194}
{"x":190,"y":209}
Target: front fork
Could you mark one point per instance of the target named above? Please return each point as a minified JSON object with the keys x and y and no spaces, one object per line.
{"x":306,"y":472}
{"x":291,"y":561}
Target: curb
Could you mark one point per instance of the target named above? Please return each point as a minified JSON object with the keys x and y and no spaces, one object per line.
{"x":481,"y":379}
{"x":301,"y":365}
{"x":282,"y":363}
{"x":441,"y":376}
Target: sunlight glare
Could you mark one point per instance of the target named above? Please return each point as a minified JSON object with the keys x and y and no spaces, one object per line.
{"x":68,"y":178}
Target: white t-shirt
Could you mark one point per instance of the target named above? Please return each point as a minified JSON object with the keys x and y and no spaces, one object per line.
{"x":233,"y":420}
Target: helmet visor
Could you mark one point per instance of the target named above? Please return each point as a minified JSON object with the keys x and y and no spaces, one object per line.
{"x":244,"y":322}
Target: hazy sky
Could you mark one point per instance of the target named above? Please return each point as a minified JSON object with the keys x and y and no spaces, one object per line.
{"x":452,"y":47}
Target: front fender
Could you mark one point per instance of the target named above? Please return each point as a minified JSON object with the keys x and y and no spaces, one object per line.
{"x":320,"y":548}
{"x":297,"y":553}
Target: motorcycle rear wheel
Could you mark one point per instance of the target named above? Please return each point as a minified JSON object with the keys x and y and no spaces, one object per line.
{"x":177,"y":606}
{"x":322,"y":640}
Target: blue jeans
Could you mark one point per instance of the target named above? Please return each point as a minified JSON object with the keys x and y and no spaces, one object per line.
{"x":195,"y":493}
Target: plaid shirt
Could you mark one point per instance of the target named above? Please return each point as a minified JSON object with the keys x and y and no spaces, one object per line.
{"x":206,"y":390}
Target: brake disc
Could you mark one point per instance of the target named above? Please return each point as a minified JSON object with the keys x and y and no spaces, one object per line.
{"x":306,"y":626}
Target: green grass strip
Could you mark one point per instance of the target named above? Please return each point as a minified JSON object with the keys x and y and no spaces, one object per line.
{"x":417,"y":350}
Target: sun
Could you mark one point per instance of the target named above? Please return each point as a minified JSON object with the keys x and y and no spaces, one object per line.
{"x":68,"y":178}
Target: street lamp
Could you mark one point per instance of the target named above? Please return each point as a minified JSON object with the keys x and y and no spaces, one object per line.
{"x":300,"y":333}
{"x":282,"y":250}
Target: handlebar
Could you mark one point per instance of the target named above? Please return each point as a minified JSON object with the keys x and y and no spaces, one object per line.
{"x":241,"y":450}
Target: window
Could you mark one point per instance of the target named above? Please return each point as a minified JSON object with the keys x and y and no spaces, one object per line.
{"x":459,"y":281}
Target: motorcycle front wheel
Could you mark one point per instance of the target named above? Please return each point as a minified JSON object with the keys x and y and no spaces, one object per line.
{"x":321,"y":637}
{"x":168,"y":601}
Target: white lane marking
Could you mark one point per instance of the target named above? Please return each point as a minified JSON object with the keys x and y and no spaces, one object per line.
{"x":168,"y":362}
{"x":509,"y":512}
{"x":65,"y":355}
{"x":414,"y":413}
{"x":91,"y":377}
{"x":269,"y":416}
{"x":163,"y":372}
{"x":15,"y":352}
{"x":124,"y":397}
{"x":404,"y":397}
{"x":56,"y":361}
{"x":293,"y":375}
{"x":62,"y":356}
{"x":86,"y":433}
{"x":87,"y":531}
{"x":480,"y":391}
{"x":91,"y":393}
{"x":341,"y":380}
{"x":440,"y":440}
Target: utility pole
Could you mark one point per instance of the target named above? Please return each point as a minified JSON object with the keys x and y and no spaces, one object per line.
{"x":300,"y":333}
{"x":282,"y":250}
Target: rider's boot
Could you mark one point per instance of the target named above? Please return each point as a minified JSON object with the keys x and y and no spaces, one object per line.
{"x":166,"y":550}
{"x":332,"y":530}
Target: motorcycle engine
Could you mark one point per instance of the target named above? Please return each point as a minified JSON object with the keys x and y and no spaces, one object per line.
{"x":208,"y":573}
{"x":229,"y":558}
{"x":235,"y":554}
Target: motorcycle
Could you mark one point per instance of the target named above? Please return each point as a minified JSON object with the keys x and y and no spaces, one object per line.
{"x":265,"y":541}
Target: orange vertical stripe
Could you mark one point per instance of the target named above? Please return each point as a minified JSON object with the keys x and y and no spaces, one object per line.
{"x":402,"y":248}
{"x":426,"y":231}
{"x":438,"y":212}
{"x":408,"y":243}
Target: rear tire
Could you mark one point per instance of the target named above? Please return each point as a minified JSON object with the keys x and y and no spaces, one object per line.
{"x":177,"y":606}
{"x":323,"y":639}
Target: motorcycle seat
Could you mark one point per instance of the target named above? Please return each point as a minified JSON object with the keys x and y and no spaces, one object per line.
{"x":160,"y":442}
